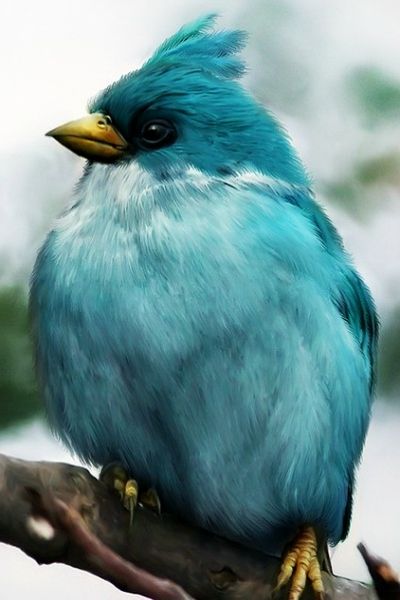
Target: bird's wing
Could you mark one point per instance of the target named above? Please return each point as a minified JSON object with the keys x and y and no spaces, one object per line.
{"x":357,"y":308}
{"x":350,"y":295}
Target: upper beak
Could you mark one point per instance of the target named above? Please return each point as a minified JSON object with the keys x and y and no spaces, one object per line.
{"x":93,"y":137}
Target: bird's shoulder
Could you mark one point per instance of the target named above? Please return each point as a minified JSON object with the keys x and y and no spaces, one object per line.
{"x":294,"y":204}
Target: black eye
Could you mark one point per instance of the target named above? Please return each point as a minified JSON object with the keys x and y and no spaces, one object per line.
{"x":156,"y":134}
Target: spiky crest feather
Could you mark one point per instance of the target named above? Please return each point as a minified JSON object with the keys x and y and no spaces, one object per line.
{"x":205,"y":49}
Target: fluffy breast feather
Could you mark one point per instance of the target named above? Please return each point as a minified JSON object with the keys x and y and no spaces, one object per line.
{"x":183,"y":323}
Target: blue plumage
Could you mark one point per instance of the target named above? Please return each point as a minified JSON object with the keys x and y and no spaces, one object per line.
{"x":195,"y":314}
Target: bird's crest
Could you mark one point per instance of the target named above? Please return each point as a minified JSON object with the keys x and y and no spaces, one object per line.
{"x":203,"y":47}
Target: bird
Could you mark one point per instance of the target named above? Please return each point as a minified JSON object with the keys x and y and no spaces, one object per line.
{"x":195,"y":316}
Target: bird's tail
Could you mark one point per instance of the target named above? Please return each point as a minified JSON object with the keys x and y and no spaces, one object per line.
{"x":326,"y":563}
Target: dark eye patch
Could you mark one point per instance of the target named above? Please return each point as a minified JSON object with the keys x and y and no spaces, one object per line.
{"x":150,"y":130}
{"x":156,"y":133}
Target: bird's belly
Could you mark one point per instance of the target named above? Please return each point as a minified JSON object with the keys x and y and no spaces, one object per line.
{"x":235,"y":429}
{"x":226,"y":391}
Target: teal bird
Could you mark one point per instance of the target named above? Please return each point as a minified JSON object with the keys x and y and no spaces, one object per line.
{"x":195,"y":315}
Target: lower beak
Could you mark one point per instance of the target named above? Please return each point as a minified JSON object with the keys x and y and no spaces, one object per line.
{"x":93,"y":137}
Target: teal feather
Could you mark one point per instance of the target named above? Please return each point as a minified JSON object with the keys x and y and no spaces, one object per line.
{"x":190,"y":31}
{"x":198,"y":46}
{"x":196,"y":316}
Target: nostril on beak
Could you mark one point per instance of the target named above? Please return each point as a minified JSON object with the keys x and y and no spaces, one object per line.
{"x":104,"y":121}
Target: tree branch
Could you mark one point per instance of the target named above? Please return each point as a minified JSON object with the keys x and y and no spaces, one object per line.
{"x":386,"y":581}
{"x":59,"y":513}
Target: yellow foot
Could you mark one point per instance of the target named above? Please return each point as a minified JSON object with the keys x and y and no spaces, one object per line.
{"x":116,"y":478}
{"x":301,"y":562}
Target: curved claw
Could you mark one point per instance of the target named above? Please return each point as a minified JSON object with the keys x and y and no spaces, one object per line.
{"x":130,"y":498}
{"x":116,"y":478}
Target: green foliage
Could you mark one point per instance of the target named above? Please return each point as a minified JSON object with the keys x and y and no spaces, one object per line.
{"x":376,"y":94}
{"x":361,"y":191}
{"x":18,"y":395}
{"x":380,"y":169}
{"x":389,"y":359}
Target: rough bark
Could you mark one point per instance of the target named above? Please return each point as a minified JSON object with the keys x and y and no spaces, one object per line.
{"x":60,"y":513}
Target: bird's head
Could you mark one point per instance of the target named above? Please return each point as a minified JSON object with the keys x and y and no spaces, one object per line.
{"x":185,"y":108}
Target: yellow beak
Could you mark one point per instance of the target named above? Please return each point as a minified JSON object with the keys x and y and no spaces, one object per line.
{"x":93,"y":137}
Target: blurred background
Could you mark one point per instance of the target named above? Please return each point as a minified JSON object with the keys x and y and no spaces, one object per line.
{"x":330,"y":71}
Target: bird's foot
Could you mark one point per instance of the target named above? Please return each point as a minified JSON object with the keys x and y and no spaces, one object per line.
{"x":301,"y":562}
{"x":116,"y":478}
